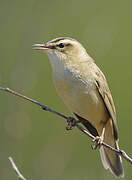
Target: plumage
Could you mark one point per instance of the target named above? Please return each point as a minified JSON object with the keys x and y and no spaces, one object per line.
{"x":84,"y":90}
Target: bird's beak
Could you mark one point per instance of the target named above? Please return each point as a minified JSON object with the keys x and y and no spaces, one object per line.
{"x":41,"y":46}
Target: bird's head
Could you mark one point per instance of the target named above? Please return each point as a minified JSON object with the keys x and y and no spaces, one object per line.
{"x":63,"y":49}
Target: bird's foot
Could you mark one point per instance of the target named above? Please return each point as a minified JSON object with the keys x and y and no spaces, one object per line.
{"x":70,"y":123}
{"x":98,"y":142}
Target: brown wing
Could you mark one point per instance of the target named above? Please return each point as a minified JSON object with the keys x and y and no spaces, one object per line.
{"x":105,"y":93}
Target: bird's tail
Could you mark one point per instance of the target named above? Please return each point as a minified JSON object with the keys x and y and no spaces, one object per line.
{"x":110,"y":159}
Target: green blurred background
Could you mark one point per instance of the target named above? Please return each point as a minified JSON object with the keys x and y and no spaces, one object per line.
{"x":37,"y":140}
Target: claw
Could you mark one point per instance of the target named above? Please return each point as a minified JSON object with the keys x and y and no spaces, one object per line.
{"x":70,"y":123}
{"x":98,"y":142}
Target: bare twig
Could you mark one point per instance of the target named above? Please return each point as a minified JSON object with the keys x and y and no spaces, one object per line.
{"x":120,"y":152}
{"x":20,"y":176}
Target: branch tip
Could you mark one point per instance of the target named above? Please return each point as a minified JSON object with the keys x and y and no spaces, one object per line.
{"x":19,"y":175}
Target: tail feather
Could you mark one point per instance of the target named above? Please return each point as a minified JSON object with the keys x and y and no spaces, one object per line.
{"x":110,"y":159}
{"x":115,"y":165}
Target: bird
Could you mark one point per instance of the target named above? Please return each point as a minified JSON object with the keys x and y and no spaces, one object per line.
{"x":84,"y":90}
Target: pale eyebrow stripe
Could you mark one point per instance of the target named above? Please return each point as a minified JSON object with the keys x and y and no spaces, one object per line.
{"x":60,"y":39}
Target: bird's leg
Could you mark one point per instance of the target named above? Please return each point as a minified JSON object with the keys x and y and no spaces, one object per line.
{"x":98,"y":139}
{"x":70,"y":123}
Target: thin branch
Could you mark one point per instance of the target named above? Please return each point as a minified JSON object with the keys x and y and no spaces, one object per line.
{"x":71,"y":122}
{"x":19,"y":175}
{"x":33,"y":101}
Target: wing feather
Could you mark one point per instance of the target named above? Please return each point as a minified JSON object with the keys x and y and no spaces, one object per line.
{"x":105,"y":93}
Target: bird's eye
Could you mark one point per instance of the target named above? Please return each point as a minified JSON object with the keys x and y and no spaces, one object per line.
{"x":61,"y":45}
